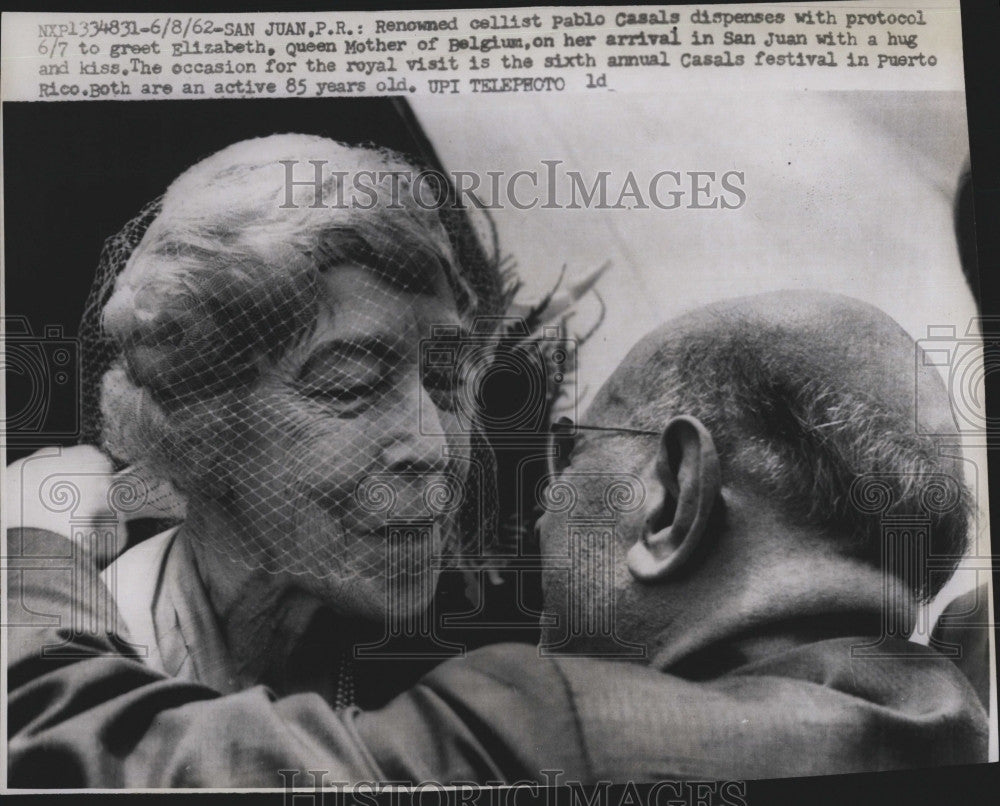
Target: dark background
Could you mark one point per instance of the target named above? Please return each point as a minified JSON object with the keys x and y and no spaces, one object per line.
{"x":66,"y":191}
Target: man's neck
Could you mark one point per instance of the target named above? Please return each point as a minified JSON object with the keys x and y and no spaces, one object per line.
{"x":764,"y":586}
{"x":794,"y":590}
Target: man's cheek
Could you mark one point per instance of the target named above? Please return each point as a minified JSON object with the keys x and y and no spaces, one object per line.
{"x":552,"y":533}
{"x":555,"y":584}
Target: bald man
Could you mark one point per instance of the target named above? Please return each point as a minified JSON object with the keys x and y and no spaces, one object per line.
{"x":721,"y":509}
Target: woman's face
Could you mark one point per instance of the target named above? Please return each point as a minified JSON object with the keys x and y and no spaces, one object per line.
{"x":347,"y":466}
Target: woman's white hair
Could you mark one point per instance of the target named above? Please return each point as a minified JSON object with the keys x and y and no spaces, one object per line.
{"x":225,"y":278}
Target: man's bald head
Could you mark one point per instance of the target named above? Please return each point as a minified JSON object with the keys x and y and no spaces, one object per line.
{"x":803,"y":394}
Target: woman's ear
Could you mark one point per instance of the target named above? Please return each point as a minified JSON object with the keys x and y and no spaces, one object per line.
{"x":687,"y":481}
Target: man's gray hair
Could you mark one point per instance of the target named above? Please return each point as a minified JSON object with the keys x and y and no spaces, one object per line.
{"x":802,"y":437}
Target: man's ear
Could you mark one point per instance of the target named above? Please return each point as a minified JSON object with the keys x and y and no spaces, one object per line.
{"x":687,"y":482}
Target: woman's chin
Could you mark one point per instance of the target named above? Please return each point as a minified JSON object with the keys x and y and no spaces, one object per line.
{"x":392,"y":601}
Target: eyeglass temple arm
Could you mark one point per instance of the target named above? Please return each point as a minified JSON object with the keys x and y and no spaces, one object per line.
{"x":567,"y":425}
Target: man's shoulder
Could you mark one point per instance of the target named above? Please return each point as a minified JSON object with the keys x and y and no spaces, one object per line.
{"x":511,"y":681}
{"x":819,"y":709}
{"x":500,"y":713}
{"x":502,"y":661}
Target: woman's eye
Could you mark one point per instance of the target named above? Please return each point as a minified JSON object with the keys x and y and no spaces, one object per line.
{"x":343,"y":394}
{"x":352,"y":393}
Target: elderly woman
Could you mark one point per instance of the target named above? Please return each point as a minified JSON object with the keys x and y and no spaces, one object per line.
{"x":269,"y":368}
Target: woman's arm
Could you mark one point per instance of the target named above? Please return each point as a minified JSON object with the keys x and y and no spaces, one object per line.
{"x":84,"y":711}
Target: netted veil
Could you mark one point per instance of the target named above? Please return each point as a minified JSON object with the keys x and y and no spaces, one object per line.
{"x":220,"y":326}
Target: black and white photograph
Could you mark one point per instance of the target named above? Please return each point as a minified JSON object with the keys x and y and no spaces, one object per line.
{"x":456,"y":402}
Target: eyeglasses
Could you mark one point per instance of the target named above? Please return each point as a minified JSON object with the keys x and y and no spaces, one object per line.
{"x":562,"y":437}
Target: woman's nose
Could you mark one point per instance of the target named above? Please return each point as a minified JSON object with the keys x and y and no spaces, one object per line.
{"x":416,"y":438}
